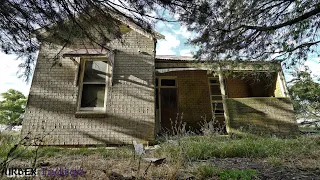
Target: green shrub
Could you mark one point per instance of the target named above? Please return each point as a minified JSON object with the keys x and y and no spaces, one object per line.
{"x":247,"y":174}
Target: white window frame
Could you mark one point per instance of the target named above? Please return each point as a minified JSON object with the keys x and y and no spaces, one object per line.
{"x":81,"y":83}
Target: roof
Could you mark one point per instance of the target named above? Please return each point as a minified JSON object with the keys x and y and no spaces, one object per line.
{"x":135,"y":26}
{"x":169,"y":63}
{"x":174,"y":58}
{"x":127,"y":21}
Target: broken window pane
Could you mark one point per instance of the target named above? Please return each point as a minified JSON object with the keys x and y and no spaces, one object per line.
{"x":93,"y":95}
{"x":95,"y":71}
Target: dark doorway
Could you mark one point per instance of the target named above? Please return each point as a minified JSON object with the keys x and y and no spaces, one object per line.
{"x":169,"y":107}
{"x":166,"y":103}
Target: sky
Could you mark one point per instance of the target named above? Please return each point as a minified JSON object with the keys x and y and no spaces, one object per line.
{"x":9,"y":75}
{"x":174,"y":44}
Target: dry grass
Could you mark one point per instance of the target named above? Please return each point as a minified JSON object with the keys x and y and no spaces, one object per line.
{"x":182,"y":156}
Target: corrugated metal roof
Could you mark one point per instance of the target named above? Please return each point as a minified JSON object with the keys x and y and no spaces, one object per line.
{"x":175,"y":58}
{"x":189,"y":58}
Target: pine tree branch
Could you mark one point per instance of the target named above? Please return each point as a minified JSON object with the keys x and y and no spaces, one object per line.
{"x":288,"y":23}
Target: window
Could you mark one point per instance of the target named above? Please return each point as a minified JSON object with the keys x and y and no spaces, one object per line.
{"x":94,"y":79}
{"x":168,"y":82}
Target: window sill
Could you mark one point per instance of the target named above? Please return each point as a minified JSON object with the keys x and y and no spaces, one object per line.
{"x":94,"y":114}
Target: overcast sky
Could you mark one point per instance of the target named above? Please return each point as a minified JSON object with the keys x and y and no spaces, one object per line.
{"x":174,"y":44}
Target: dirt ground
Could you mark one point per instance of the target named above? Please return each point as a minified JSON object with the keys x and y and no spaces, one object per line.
{"x":97,"y":167}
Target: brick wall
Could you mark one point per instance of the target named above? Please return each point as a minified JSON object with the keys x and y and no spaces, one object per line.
{"x":251,"y":87}
{"x":237,"y":88}
{"x":130,"y":102}
{"x":193,"y":96}
{"x":262,"y":116}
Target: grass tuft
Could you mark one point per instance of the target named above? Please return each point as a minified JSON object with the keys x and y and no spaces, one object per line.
{"x":206,"y":171}
{"x":206,"y":147}
{"x":236,"y":174}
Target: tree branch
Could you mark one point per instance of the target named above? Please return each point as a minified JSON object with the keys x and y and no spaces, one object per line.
{"x":288,"y":23}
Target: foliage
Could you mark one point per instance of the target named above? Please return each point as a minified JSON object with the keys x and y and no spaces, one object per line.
{"x":14,"y":147}
{"x":66,"y":20}
{"x":229,"y":29}
{"x":305,"y":94}
{"x":260,"y":30}
{"x":12,"y":107}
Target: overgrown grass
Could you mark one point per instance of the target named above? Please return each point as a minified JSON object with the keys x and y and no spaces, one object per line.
{"x":206,"y":147}
{"x":206,"y":171}
{"x":183,"y":151}
{"x":121,"y":152}
{"x":189,"y":148}
{"x":8,"y":141}
{"x":247,"y":174}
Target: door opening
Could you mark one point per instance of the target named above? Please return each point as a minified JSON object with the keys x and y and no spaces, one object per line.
{"x":167,"y":99}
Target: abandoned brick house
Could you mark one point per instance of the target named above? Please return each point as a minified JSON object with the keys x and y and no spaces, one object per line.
{"x":129,"y":93}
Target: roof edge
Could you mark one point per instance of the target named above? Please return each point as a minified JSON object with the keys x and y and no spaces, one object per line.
{"x":122,"y":18}
{"x":173,"y":58}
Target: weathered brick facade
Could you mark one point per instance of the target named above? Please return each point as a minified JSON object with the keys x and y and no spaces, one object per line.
{"x":193,"y":96}
{"x":254,"y":87}
{"x":237,"y":88}
{"x":52,"y":109}
{"x":259,"y":108}
{"x":262,"y":116}
{"x":130,"y":102}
